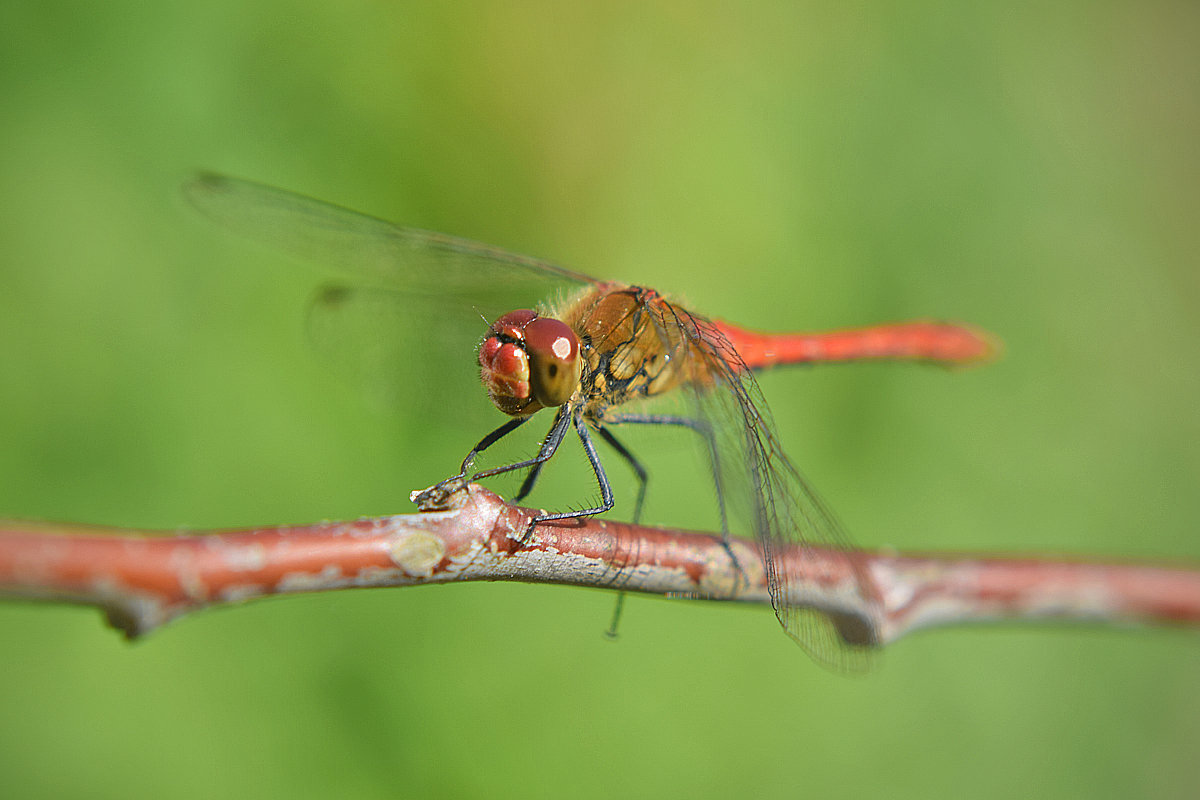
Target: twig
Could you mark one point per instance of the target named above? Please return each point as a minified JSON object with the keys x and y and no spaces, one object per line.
{"x":145,"y":579}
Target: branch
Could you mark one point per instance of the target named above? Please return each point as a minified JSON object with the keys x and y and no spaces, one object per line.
{"x":145,"y":579}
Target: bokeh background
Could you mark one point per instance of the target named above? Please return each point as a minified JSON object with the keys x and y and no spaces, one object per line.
{"x":1031,"y":169}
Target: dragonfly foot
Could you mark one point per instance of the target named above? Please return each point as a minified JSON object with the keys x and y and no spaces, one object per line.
{"x":528,"y":533}
{"x":444,"y":496}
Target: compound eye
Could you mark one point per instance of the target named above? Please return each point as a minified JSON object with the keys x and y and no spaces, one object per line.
{"x":505,"y":364}
{"x":554,"y":364}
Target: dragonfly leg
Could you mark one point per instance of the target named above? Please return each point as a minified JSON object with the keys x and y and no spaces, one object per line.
{"x":527,"y":485}
{"x":438,"y":495}
{"x":589,"y":448}
{"x":489,"y":440}
{"x":706,"y":432}
{"x":549,"y":446}
{"x":611,"y":633}
{"x":642,"y":478}
{"x":536,"y":471}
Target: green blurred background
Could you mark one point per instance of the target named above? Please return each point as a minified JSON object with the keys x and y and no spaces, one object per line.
{"x":1033,"y":170}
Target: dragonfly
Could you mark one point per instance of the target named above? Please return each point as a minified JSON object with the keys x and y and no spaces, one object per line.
{"x":590,"y":353}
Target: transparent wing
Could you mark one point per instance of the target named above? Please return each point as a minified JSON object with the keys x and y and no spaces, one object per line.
{"x":408,"y":329}
{"x":404,"y":352}
{"x":366,"y":248}
{"x":765,"y":493}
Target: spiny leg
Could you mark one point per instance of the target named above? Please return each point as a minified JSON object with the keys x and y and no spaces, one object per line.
{"x":530,"y":479}
{"x":440,"y":492}
{"x":484,"y":444}
{"x":705,"y":430}
{"x":642,"y":478}
{"x":638,"y":470}
{"x":589,"y":448}
{"x":489,"y":440}
{"x":447,"y":487}
{"x":558,"y":430}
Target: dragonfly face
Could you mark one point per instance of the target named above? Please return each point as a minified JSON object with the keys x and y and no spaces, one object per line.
{"x":529,"y":362}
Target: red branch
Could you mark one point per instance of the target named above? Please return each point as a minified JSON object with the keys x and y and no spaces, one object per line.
{"x":144,"y":579}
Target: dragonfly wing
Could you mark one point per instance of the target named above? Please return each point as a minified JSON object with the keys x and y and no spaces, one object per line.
{"x":403,"y":350}
{"x":765,"y":493}
{"x":366,"y":248}
{"x":409,"y":327}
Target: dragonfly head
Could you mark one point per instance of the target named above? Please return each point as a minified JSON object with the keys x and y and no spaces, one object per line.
{"x":529,"y":362}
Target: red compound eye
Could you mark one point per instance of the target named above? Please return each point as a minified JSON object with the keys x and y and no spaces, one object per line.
{"x":554,"y":363}
{"x":512,"y":324}
{"x":529,"y":362}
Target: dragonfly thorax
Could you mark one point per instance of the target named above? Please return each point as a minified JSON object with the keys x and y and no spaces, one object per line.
{"x":529,"y":362}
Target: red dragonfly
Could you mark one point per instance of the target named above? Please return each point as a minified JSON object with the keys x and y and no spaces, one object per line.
{"x":590,"y":355}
